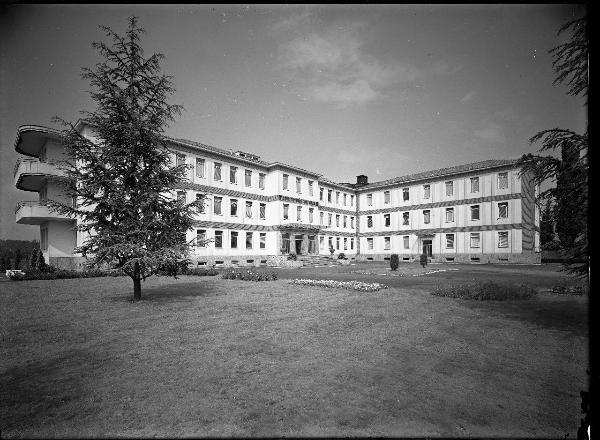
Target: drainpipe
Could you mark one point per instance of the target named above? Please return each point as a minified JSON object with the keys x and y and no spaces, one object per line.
{"x":357,"y":225}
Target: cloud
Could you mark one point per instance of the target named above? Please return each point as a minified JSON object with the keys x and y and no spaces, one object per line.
{"x":333,"y":66}
{"x":468,"y":96}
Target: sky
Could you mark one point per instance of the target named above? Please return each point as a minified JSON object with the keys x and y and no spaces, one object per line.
{"x":342,"y":90}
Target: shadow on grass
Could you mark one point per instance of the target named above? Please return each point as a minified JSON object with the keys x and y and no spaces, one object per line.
{"x":30,"y":393}
{"x":171,"y":293}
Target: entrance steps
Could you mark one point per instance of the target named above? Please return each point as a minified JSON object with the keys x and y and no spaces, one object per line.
{"x":318,"y":260}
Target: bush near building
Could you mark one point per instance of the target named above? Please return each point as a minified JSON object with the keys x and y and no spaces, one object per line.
{"x":486,"y":291}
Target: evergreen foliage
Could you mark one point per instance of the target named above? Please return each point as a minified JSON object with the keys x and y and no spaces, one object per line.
{"x":394,"y":261}
{"x":125,"y":176}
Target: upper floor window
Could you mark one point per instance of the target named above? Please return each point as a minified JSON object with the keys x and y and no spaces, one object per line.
{"x":321,"y":217}
{"x":344,"y":224}
{"x":337,"y":197}
{"x":263,"y":211}
{"x":474,"y":184}
{"x":310,"y":214}
{"x":233,"y":209}
{"x":285,"y":181}
{"x":217,"y":175}
{"x":233,"y":174}
{"x":369,"y":221}
{"x":427,"y":216}
{"x":405,"y":194}
{"x":503,"y":180}
{"x":387,"y":220}
{"x":217,"y":205}
{"x":200,"y":163}
{"x":337,"y":220}
{"x":386,"y":197}
{"x":503,"y":210}
{"x":321,"y":194}
{"x":299,"y":213}
{"x":248,"y":209}
{"x":181,"y":196}
{"x":352,"y":222}
{"x":310,"y":188}
{"x":248,"y":177}
{"x":286,"y":209}
{"x":405,"y":218}
{"x":329,"y":194}
{"x":180,"y":159}
{"x":330,"y":219}
{"x":426,"y":191}
{"x":502,"y":239}
{"x":261,"y":180}
{"x":298,"y":185}
{"x":475,"y":212}
{"x":351,"y":200}
{"x":449,"y":188}
{"x":449,"y":215}
{"x":345,"y":197}
{"x":200,"y":203}
{"x":369,"y":199}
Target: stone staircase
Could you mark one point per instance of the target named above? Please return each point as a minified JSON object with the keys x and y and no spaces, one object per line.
{"x":318,"y":260}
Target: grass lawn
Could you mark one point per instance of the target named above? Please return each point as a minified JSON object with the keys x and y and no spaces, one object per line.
{"x":202,"y":356}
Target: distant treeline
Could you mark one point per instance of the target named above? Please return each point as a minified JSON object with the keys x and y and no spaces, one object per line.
{"x":15,"y":254}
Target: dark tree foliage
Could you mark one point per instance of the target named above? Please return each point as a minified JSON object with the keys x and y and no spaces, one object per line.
{"x":18,"y":258}
{"x":125,"y":176}
{"x":394,"y":261}
{"x":569,"y":171}
{"x":547,"y":226}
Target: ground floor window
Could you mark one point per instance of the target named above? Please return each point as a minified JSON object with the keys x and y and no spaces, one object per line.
{"x":337,"y":243}
{"x":345,"y":244}
{"x":248,"y":240}
{"x":263,"y":240}
{"x":503,"y":239}
{"x":201,"y":237}
{"x":386,"y":243}
{"x":218,"y":239}
{"x":351,"y":244}
{"x":370,"y":244}
{"x":44,"y":238}
{"x":405,"y":240}
{"x":234,"y":239}
{"x":475,"y":239}
{"x":449,"y":241}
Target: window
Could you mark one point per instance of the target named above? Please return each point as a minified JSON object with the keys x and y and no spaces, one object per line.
{"x":200,"y":163}
{"x":321,"y":216}
{"x":427,"y":216}
{"x":449,"y":215}
{"x":261,"y":180}
{"x":263,"y":240}
{"x":503,"y":210}
{"x":310,"y":188}
{"x":426,"y":191}
{"x":310,"y":214}
{"x":386,"y":243}
{"x":217,"y":205}
{"x":405,"y":241}
{"x":329,"y":194}
{"x":218,"y":239}
{"x":298,"y":185}
{"x":337,"y":243}
{"x":181,"y":196}
{"x":449,"y":188}
{"x":248,"y":177}
{"x":449,"y":241}
{"x":503,"y":239}
{"x":330,"y":242}
{"x":345,"y":244}
{"x":321,"y":194}
{"x":351,"y":244}
{"x":369,"y":221}
{"x":475,"y":238}
{"x":474,"y":184}
{"x":352,"y":222}
{"x":200,"y":201}
{"x":345,"y":198}
{"x":263,"y":211}
{"x":370,"y":243}
{"x":337,"y":197}
{"x":405,"y":194}
{"x":286,"y":208}
{"x":285,"y":181}
{"x":503,"y":180}
{"x":330,"y":219}
{"x":337,"y":220}
{"x":386,"y":197}
{"x":344,"y":224}
{"x":217,"y":175}
{"x":387,"y":220}
{"x":351,"y":200}
{"x":233,"y":207}
{"x":405,"y":218}
{"x":201,"y":237}
{"x":180,"y":159}
{"x":248,"y":240}
{"x":322,"y":242}
{"x":475,"y":212}
{"x":234,"y":238}
{"x":299,"y":213}
{"x":369,"y":199}
{"x":233,"y":174}
{"x":248,"y":209}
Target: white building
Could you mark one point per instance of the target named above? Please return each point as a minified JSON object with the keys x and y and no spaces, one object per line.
{"x":256,"y":210}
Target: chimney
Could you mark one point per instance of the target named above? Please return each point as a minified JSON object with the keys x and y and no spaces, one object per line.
{"x":362,"y":180}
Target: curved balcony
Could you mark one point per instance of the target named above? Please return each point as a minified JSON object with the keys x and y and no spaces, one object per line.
{"x":36,"y":213}
{"x":30,"y":174}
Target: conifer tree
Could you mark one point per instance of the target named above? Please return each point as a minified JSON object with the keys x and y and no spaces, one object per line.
{"x":126,"y":175}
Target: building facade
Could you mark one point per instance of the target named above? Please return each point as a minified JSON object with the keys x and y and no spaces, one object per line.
{"x":256,"y":212}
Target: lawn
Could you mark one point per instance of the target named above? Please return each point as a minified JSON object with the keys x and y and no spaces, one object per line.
{"x":202,"y":356}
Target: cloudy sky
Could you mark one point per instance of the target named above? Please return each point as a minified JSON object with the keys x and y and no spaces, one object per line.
{"x":341,"y":90}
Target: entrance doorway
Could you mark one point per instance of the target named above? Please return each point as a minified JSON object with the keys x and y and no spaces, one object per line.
{"x":427,"y":248}
{"x":298,"y":244}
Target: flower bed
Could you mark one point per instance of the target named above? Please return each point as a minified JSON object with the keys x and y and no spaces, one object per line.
{"x":331,"y":284}
{"x":249,"y":275}
{"x":486,"y":291}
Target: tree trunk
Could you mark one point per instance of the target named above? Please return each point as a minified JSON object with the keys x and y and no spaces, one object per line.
{"x":137,"y":283}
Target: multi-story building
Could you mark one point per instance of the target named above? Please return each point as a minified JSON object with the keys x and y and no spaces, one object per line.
{"x":255,"y":210}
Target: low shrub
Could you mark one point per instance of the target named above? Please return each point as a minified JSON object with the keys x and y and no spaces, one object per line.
{"x":200,"y":272}
{"x":249,"y":275}
{"x":52,"y":273}
{"x":394,"y":261}
{"x":570,"y":287}
{"x":292,"y":257}
{"x":352,"y":285}
{"x":486,"y":291}
{"x":341,"y":256}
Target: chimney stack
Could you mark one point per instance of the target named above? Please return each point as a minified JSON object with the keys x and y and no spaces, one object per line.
{"x":362,"y":180}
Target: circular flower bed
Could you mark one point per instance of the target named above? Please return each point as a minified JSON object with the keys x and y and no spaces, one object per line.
{"x":352,"y":285}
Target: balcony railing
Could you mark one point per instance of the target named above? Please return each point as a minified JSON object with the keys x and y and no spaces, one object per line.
{"x":35,"y":166}
{"x":35,"y":212}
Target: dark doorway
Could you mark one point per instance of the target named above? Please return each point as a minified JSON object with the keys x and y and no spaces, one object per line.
{"x":427,"y":248}
{"x":299,"y":244}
